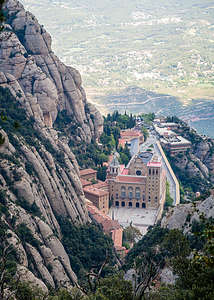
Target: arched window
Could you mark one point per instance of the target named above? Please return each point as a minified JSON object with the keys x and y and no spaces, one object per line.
{"x":137,"y":193}
{"x":157,"y":172}
{"x":117,"y":203}
{"x":149,"y":171}
{"x":123,"y":191}
{"x":153,"y":172}
{"x":116,"y":195}
{"x":149,"y":198}
{"x":156,"y":198}
{"x":144,"y":197}
{"x":123,"y":204}
{"x":143,"y":205}
{"x":130,"y":189}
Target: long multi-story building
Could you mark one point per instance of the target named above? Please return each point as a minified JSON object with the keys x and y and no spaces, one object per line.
{"x":171,"y":141}
{"x":141,"y":184}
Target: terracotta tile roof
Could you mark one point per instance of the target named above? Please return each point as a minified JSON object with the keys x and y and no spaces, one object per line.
{"x":93,"y":191}
{"x":117,"y":236}
{"x":85,"y":182}
{"x":129,"y":132}
{"x":122,"y":167}
{"x":125,"y":171}
{"x":154,"y":164}
{"x":100,"y":185}
{"x":130,"y":179}
{"x":109,"y":226}
{"x":122,"y":142}
{"x":87,"y":171}
{"x":107,"y":223}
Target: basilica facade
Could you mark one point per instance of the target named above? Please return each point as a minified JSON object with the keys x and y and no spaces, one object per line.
{"x":141,"y":184}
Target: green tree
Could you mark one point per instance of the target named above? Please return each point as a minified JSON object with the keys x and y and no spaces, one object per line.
{"x":101,"y":173}
{"x":101,"y":158}
{"x":2,"y":16}
{"x":63,"y":294}
{"x":131,"y":234}
{"x":169,"y":199}
{"x":97,"y":296}
{"x":145,"y":132}
{"x":26,"y":291}
{"x":175,"y":244}
{"x":115,"y":288}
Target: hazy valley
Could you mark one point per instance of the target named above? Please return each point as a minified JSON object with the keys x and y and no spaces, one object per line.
{"x":162,"y":46}
{"x":62,"y":165}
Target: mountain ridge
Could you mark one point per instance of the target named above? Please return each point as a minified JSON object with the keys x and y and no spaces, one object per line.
{"x":39,"y":174}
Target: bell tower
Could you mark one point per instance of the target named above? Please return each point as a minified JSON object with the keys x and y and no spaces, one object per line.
{"x":114,"y":167}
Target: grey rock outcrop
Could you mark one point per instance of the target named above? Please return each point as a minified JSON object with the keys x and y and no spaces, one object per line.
{"x":181,"y":216}
{"x":36,"y":179}
{"x":40,"y":178}
{"x":199,"y":162}
{"x":49,"y":85}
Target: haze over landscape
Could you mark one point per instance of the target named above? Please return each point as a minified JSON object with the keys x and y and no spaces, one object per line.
{"x":133,"y":54}
{"x":97,"y":203}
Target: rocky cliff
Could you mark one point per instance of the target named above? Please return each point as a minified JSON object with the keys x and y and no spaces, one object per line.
{"x":195,"y":168}
{"x":39,"y":175}
{"x":31,"y":68}
{"x":183,"y":215}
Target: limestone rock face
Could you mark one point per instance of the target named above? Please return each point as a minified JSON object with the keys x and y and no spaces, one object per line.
{"x":177,"y":216}
{"x":26,"y":275}
{"x":37,"y":180}
{"x":48,"y":84}
{"x":40,"y":177}
{"x":199,"y":162}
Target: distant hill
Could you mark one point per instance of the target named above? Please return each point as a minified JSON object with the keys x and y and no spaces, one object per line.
{"x":163,"y":46}
{"x":198,"y":114}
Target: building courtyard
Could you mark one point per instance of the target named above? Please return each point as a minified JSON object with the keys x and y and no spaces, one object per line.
{"x":140,"y":218}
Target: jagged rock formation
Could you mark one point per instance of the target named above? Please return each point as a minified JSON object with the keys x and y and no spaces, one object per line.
{"x":195,"y":168}
{"x":182,"y":216}
{"x":39,"y":175}
{"x":36,"y":179}
{"x":31,"y":68}
{"x":200,"y":161}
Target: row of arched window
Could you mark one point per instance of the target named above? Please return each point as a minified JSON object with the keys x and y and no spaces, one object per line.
{"x":123,"y":204}
{"x":130,"y":194}
{"x":153,"y":171}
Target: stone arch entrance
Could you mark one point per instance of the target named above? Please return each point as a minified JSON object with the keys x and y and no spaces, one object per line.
{"x":117,"y":203}
{"x":130,"y":204}
{"x":123,"y":204}
{"x":143,"y":205}
{"x":137,"y":205}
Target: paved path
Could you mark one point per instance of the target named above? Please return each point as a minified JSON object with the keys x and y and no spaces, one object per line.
{"x":138,"y":217}
{"x":174,"y":181}
{"x":172,"y":185}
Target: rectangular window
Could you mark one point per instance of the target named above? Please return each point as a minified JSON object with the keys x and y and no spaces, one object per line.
{"x":137,"y":195}
{"x":123,"y":194}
